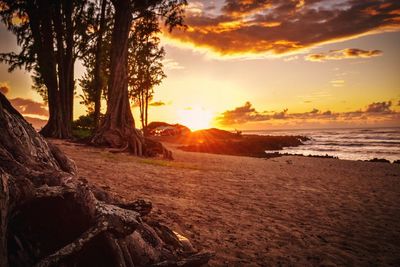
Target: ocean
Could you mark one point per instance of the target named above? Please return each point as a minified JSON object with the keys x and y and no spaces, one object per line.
{"x":349,"y":144}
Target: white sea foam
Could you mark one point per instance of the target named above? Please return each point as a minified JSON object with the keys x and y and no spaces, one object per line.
{"x":351,"y":144}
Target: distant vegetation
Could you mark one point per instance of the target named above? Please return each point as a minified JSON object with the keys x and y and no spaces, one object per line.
{"x":83,"y":127}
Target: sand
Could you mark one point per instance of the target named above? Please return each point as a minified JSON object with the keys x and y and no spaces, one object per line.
{"x":286,"y":211}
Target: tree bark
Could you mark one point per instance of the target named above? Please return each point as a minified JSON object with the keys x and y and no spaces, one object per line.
{"x":41,"y":16}
{"x":98,"y":80}
{"x":69,"y":61}
{"x":50,"y":217}
{"x":146,"y":108}
{"x":142,"y":107}
{"x":118,"y":127}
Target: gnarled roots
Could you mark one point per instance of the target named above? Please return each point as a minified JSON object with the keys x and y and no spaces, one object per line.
{"x":50,"y":217}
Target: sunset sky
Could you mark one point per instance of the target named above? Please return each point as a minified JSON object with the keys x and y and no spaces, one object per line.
{"x":248,"y":65}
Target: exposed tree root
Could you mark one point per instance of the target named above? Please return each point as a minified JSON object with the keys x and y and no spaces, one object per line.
{"x":50,"y":217}
{"x":132,"y":141}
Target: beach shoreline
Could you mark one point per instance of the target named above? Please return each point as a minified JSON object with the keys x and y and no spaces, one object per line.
{"x":254,"y":212}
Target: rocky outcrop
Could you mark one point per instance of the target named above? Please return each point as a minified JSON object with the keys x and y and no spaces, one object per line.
{"x":165,"y":129}
{"x":223,"y":142}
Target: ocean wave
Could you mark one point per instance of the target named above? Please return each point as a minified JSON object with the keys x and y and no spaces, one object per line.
{"x":354,"y":144}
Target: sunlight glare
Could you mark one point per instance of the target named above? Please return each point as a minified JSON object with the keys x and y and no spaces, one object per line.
{"x":195,"y":118}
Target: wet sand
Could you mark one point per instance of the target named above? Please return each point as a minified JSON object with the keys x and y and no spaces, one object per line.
{"x":286,"y":211}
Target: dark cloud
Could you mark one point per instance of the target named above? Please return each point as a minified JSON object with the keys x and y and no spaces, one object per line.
{"x":280,"y":115}
{"x":241,"y":115}
{"x":210,"y":7}
{"x":379,"y":107}
{"x":343,"y":54}
{"x":157,"y":104}
{"x":28,"y":106}
{"x":240,"y":7}
{"x":281,"y":26}
{"x":247,"y":113}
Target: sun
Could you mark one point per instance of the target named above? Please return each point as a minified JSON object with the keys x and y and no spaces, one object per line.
{"x":195,"y":118}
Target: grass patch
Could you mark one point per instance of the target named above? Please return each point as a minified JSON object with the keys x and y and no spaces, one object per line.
{"x":166,"y":163}
{"x":81,"y":133}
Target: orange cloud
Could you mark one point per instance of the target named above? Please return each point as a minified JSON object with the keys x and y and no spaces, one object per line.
{"x":4,"y":88}
{"x":343,"y":54}
{"x":29,"y":107}
{"x":36,"y":122}
{"x":34,"y":112}
{"x":377,"y":111}
{"x":278,"y":26}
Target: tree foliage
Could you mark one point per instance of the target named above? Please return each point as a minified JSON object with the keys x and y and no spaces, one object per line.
{"x":51,"y":35}
{"x":96,"y":58}
{"x":145,"y":64}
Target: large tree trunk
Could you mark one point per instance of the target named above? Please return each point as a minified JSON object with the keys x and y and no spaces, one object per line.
{"x":64,"y":40}
{"x":118,"y":127}
{"x":98,"y":79}
{"x":40,"y":15}
{"x":69,"y":60}
{"x":49,"y":217}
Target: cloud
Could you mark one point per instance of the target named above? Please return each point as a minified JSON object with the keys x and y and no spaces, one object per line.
{"x":379,"y":107}
{"x":28,"y":106}
{"x":287,"y":59}
{"x":378,"y":111}
{"x":343,"y":54}
{"x":281,"y":26}
{"x":4,"y":88}
{"x":240,"y":115}
{"x":171,"y":64}
{"x":157,"y":104}
{"x":36,"y":122}
{"x":337,"y":83}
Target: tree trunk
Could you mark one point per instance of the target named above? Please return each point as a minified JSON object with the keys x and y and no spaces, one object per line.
{"x":118,"y":127}
{"x":69,"y":61}
{"x":40,"y":15}
{"x":146,"y":108}
{"x":142,"y":105}
{"x":98,"y":80}
{"x":41,"y":27}
{"x":65,"y":60}
{"x":50,"y":217}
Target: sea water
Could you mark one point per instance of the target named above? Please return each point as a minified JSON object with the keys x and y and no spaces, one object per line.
{"x":350,"y":144}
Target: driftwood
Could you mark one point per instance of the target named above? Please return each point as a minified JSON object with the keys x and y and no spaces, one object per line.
{"x":50,"y":217}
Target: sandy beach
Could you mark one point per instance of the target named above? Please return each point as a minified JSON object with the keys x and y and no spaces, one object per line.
{"x":286,"y":211}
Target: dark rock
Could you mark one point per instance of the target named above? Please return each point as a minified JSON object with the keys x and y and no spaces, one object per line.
{"x":165,"y":129}
{"x":244,"y":145}
{"x":379,"y":160}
